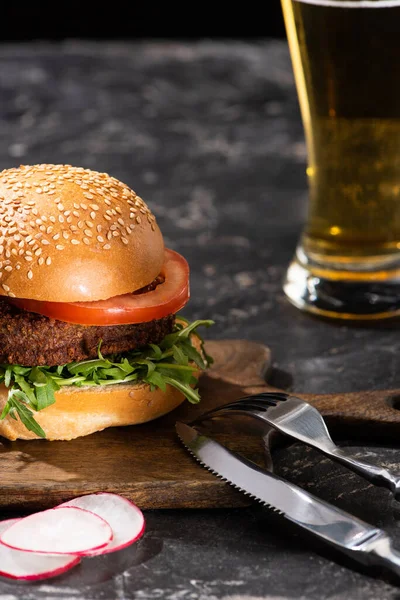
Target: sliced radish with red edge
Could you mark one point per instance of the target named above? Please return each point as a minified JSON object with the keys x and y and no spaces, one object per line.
{"x":64,"y":530}
{"x":125,"y":518}
{"x":27,"y":566}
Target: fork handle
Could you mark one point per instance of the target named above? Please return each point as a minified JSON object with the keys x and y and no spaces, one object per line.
{"x":373,"y":473}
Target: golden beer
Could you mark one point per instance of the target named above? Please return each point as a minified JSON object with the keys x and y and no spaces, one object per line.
{"x":346,"y":60}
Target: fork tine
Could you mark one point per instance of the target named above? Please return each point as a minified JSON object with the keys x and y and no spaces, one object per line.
{"x":275,"y":395}
{"x":226,"y":409}
{"x":253,"y":405}
{"x":258,"y":402}
{"x":268,"y":397}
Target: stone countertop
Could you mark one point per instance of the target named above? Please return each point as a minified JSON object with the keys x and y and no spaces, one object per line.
{"x":209,"y":133}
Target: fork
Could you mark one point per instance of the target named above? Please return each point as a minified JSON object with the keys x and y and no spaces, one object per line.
{"x":296,"y":418}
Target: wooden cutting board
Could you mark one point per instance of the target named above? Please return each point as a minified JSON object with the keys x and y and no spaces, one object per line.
{"x":147,"y":463}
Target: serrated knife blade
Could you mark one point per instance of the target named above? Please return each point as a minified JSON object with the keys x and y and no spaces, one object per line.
{"x":363,"y":542}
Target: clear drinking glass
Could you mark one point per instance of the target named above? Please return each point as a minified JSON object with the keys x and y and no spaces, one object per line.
{"x":346,"y":61}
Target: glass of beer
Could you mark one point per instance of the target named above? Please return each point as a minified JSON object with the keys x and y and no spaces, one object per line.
{"x":346,"y":61}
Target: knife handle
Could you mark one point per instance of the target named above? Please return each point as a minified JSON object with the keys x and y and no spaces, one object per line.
{"x":378,"y":551}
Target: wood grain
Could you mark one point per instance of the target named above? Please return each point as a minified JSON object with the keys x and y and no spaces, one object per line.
{"x":147,"y":463}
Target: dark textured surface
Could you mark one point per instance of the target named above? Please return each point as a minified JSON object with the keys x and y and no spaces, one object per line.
{"x":210,"y":135}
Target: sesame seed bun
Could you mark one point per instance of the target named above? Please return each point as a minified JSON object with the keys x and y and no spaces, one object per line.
{"x":69,"y":234}
{"x":82,"y":411}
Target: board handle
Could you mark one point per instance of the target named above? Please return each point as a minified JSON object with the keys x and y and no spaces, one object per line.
{"x":366,"y":414}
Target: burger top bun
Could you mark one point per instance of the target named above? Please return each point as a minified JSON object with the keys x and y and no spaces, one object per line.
{"x":69,"y":234}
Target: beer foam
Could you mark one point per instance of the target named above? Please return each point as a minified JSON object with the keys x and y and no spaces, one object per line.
{"x":353,"y":3}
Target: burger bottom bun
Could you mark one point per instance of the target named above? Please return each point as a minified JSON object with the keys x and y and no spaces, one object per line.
{"x":79,"y":411}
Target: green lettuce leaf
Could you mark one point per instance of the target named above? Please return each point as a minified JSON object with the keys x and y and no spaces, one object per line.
{"x":32,"y":388}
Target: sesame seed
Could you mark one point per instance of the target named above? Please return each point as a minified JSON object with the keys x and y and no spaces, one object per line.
{"x":5,"y":287}
{"x":30,"y":274}
{"x":106,"y":247}
{"x":48,"y":261}
{"x":28,"y":258}
{"x":124,"y":240}
{"x":100,"y":238}
{"x":45,"y":242}
{"x":92,"y":215}
{"x":59,"y":247}
{"x":86,"y":241}
{"x":94,"y":206}
{"x":121,"y":222}
{"x":75,"y":242}
{"x":56,"y":236}
{"x":9,"y":268}
{"x":89,"y":223}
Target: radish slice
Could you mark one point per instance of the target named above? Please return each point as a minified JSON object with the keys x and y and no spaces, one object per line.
{"x":16,"y":564}
{"x":67,"y":530}
{"x":125,"y":518}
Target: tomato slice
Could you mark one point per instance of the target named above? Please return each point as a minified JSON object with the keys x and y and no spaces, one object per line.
{"x":167,"y":298}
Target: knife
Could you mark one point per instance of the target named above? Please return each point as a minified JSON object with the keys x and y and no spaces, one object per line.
{"x":366,"y":544}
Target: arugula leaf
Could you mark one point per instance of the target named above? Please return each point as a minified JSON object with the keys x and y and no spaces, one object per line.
{"x":32,"y":388}
{"x":27,"y":419}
